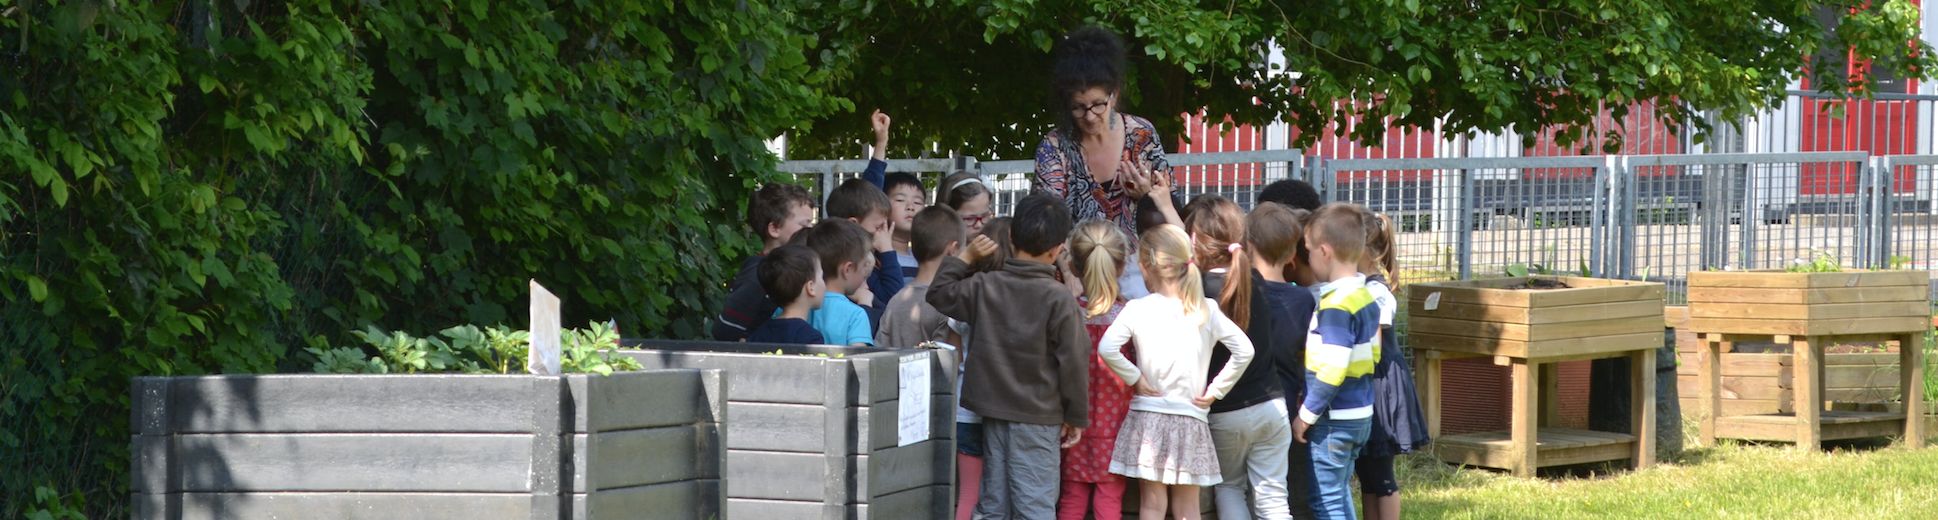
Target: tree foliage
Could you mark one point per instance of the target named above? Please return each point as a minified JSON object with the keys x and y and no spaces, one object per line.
{"x":196,"y":186}
{"x":972,"y":76}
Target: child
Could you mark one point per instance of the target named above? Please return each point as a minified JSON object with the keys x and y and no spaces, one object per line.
{"x":910,"y":320}
{"x":987,"y":253}
{"x":1293,"y":193}
{"x":1273,"y":240}
{"x":1099,"y":250}
{"x":843,"y":249}
{"x":1250,"y":426}
{"x":1340,"y":354}
{"x":791,"y":275}
{"x":1029,"y":345}
{"x":906,"y":197}
{"x":1165,"y":440}
{"x":1398,"y":425}
{"x":777,"y":211}
{"x":865,"y":204}
{"x":970,"y":196}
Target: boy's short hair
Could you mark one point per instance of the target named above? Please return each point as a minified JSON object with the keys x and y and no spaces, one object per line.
{"x":774,"y":203}
{"x":837,"y":240}
{"x":785,"y":270}
{"x":1293,"y":193}
{"x":935,"y":227}
{"x":857,"y":199}
{"x":1040,"y":223}
{"x":1342,"y":226}
{"x":899,"y":179}
{"x":1148,"y":216}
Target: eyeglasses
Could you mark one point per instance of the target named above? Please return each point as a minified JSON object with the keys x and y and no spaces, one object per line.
{"x":1097,"y":109}
{"x":976,"y":220}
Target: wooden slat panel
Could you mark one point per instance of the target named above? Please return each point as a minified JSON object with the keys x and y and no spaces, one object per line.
{"x":1537,"y":315}
{"x":1809,"y":328}
{"x":1539,"y":349}
{"x":1861,"y":377}
{"x":687,"y":500}
{"x":1833,"y":295}
{"x":1735,"y":406}
{"x":366,"y":462}
{"x":1780,"y":279}
{"x":645,"y":457}
{"x":372,"y":506}
{"x":299,"y":403}
{"x":1523,"y":332}
{"x":1826,"y":311}
{"x":1737,"y":364}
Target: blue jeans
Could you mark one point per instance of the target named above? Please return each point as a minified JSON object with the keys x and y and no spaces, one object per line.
{"x":1335,"y":445}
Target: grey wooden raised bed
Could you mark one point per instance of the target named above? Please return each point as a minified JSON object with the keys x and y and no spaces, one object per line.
{"x":816,"y":437}
{"x":470,"y":447}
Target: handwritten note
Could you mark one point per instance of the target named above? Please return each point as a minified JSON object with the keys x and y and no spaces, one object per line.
{"x":544,"y":356}
{"x":914,"y":399}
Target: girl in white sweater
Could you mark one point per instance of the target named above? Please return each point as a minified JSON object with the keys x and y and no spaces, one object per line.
{"x":1166,"y":439}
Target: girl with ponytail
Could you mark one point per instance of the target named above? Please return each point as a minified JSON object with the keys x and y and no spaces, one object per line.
{"x":1166,"y":438}
{"x":1250,"y":427}
{"x":1399,"y":427}
{"x":1098,"y":250}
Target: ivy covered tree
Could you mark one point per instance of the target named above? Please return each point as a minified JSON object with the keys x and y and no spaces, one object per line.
{"x":198,"y":186}
{"x":972,"y":76}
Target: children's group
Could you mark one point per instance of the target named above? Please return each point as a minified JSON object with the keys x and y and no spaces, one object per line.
{"x":1249,"y":352}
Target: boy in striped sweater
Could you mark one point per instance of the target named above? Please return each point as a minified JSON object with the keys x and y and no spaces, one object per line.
{"x":1341,"y":352}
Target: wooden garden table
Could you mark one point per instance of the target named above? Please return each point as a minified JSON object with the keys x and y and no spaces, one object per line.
{"x":1530,"y":331}
{"x":1810,"y":311}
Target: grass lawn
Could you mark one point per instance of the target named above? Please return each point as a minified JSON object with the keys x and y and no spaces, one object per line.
{"x":1734,"y":481}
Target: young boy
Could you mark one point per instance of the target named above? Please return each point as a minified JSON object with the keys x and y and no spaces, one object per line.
{"x":843,"y":249}
{"x":906,"y":197}
{"x":910,"y":320}
{"x":1276,"y":237}
{"x":862,"y":203}
{"x":1342,"y":351}
{"x":1032,"y":361}
{"x":776,"y":213}
{"x":791,"y":275}
{"x":1293,"y":193}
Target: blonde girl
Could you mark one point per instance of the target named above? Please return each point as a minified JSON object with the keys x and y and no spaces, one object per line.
{"x":1098,"y":250}
{"x":1166,"y":439}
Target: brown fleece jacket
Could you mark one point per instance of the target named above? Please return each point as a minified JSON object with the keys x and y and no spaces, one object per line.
{"x":1028,"y":359}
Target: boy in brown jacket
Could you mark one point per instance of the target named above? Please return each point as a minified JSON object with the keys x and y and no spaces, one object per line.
{"x":1031,"y":361}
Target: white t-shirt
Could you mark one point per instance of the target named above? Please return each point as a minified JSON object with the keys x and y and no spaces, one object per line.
{"x":1383,"y":296}
{"x":963,"y":415}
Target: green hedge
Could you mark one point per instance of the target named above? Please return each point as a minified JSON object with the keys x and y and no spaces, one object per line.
{"x":194,"y":187}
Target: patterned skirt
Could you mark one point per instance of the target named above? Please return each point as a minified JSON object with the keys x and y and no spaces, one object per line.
{"x":1167,"y":449}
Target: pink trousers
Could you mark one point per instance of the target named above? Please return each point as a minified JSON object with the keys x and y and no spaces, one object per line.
{"x":1078,"y":498}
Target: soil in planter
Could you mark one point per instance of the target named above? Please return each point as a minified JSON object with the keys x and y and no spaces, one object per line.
{"x":1541,"y":284}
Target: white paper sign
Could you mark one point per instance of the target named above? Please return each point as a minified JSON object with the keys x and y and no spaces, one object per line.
{"x":914,"y":399}
{"x":543,"y":358}
{"x":1433,"y":301}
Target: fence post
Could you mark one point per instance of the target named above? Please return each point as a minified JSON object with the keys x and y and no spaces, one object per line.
{"x":1599,"y":214}
{"x":1464,"y":233}
{"x":1714,"y":248}
{"x":1751,"y":216}
{"x":1866,"y":252}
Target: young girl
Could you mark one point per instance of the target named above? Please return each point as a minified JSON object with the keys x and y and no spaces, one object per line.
{"x":1165,"y":439}
{"x":970,"y":196}
{"x":1398,"y":425}
{"x":1098,"y":249}
{"x":1250,"y":427}
{"x":968,"y":425}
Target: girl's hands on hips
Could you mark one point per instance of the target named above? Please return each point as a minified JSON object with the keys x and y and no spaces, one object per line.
{"x":1203,"y":401}
{"x":1145,"y":388}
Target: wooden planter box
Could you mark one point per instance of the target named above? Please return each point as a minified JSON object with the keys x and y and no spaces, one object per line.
{"x":817,"y":437}
{"x":1809,"y":311}
{"x":478,"y":447}
{"x":1530,"y":330}
{"x":1809,"y":304}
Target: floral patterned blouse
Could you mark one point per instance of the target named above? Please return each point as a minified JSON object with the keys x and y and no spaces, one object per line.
{"x":1060,"y":170}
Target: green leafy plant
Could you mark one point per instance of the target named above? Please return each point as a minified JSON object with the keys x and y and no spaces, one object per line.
{"x":1820,"y":262}
{"x":50,"y":504}
{"x":1898,"y":262}
{"x":471,"y":350}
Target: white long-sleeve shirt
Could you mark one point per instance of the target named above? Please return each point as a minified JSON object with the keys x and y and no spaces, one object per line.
{"x":1174,"y":352}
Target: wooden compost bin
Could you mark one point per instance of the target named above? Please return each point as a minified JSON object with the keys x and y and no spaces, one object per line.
{"x":1809,"y":311}
{"x":476,"y":447}
{"x":1529,"y":330}
{"x":815,"y":429}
